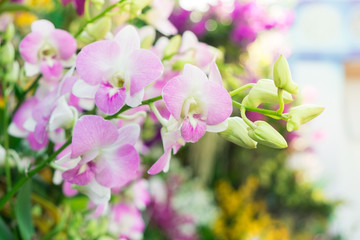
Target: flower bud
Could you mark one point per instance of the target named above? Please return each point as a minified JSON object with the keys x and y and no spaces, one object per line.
{"x":9,"y":32}
{"x":237,"y":133}
{"x":173,"y":46}
{"x":7,"y":54}
{"x":13,"y":73}
{"x":282,"y":76}
{"x":265,"y":134}
{"x":99,"y":29}
{"x":302,"y":114}
{"x":264,"y":91}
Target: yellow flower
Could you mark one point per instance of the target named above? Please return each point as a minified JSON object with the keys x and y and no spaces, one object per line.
{"x":24,"y":19}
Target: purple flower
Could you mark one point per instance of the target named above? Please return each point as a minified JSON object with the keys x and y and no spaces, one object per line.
{"x":117,"y":71}
{"x":47,"y":50}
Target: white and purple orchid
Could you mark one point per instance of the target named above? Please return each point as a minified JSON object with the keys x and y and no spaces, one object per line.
{"x":107,"y":154}
{"x":47,"y":50}
{"x":116,"y":71}
{"x":197,"y":104}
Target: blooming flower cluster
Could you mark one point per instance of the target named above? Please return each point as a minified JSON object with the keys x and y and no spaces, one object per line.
{"x":88,"y":105}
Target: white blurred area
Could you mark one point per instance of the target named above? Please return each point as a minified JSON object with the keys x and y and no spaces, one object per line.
{"x":325,"y":41}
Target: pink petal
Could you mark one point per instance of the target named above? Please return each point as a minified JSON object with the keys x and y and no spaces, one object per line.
{"x":195,"y":75}
{"x":215,"y":75}
{"x":160,"y":164}
{"x":98,"y":61}
{"x":128,"y":134}
{"x":68,"y":190}
{"x":91,"y":133}
{"x":29,"y":47}
{"x":65,"y":43}
{"x":110,"y":99}
{"x":145,"y":67}
{"x":53,"y":71}
{"x":24,"y":112}
{"x":128,"y":40}
{"x":114,"y":169}
{"x":218,"y":101}
{"x":191,"y":134}
{"x":82,"y":174}
{"x":35,"y":145}
{"x":174,"y":93}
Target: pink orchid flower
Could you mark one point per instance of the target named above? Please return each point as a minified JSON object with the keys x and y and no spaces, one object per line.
{"x":47,"y":50}
{"x":47,"y":114}
{"x":197,"y":104}
{"x":107,"y":154}
{"x":117,"y":71}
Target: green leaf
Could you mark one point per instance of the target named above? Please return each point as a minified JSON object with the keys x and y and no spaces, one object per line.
{"x":23,"y":211}
{"x":5,"y":232}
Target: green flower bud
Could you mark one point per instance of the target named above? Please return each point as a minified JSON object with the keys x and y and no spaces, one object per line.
{"x":13,"y":73}
{"x":9,"y":32}
{"x":173,"y":47}
{"x":302,"y":114}
{"x":237,"y":133}
{"x":149,"y":37}
{"x":99,"y":29}
{"x":7,"y":54}
{"x":265,"y":134}
{"x":136,"y":6}
{"x":282,"y":76}
{"x":264,"y":91}
{"x":179,"y":64}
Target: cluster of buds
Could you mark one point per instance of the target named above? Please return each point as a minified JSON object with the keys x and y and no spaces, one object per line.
{"x":246,"y":133}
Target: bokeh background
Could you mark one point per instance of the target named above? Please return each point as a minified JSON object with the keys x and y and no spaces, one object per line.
{"x":215,"y":189}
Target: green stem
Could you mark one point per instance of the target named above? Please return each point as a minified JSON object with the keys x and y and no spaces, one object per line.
{"x":123,"y":109}
{"x":13,"y":7}
{"x":31,"y":173}
{"x":158,"y":115}
{"x":102,"y":14}
{"x":270,"y":113}
{"x":242,"y":88}
{"x":23,"y":94}
{"x":6,"y":137}
{"x":246,"y":120}
{"x":281,"y":101}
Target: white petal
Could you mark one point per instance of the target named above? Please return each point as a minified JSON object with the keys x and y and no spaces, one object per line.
{"x":62,"y":116}
{"x":16,"y":132}
{"x":135,"y":100}
{"x":30,"y":124}
{"x":31,"y":69}
{"x":97,"y":193}
{"x":217,"y":128}
{"x":81,"y":89}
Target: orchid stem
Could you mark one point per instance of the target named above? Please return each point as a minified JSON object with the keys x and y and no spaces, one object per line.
{"x":125,"y":108}
{"x":269,"y":113}
{"x":242,"y":88}
{"x":31,"y":173}
{"x":158,"y":115}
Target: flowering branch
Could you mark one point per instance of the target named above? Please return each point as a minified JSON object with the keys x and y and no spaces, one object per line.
{"x":102,"y":14}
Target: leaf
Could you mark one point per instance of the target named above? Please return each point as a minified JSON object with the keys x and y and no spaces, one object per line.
{"x":5,"y":232}
{"x":23,"y":212}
